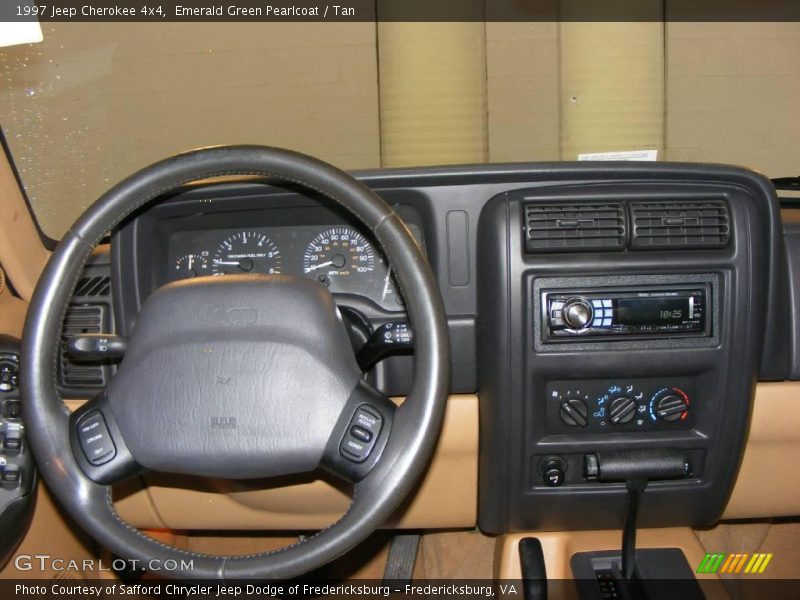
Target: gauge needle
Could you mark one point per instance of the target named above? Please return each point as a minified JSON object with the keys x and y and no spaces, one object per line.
{"x":386,"y":283}
{"x":319,"y":266}
{"x":233,"y":263}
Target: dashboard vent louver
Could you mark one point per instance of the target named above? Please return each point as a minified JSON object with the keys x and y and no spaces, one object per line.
{"x":91,"y":287}
{"x":680,"y":224}
{"x":574,"y":227}
{"x":79,"y":319}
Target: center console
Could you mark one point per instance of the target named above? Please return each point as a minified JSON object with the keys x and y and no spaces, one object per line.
{"x":621,"y":311}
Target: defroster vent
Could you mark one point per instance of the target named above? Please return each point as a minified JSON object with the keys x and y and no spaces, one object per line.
{"x":574,"y":227}
{"x":680,"y":224}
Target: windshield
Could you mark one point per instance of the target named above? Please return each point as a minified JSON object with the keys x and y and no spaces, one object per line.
{"x":93,"y":102}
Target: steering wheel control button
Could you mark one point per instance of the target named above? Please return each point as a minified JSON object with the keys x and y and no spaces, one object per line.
{"x":573,"y":412}
{"x":95,"y":439}
{"x":362,"y":432}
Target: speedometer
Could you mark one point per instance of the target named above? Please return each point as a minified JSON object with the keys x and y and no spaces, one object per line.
{"x":246,"y":252}
{"x":338,"y":252}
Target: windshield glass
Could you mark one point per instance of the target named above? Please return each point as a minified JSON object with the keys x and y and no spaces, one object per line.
{"x":93,"y":102}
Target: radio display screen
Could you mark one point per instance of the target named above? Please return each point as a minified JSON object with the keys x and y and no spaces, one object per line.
{"x":651,"y":311}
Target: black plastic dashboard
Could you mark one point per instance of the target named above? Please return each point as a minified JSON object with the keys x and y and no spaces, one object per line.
{"x":472,"y":224}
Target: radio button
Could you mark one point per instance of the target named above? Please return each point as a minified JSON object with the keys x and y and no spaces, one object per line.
{"x":577,"y":313}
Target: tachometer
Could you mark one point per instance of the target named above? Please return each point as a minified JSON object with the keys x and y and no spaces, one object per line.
{"x":246,"y":252}
{"x":338,"y":252}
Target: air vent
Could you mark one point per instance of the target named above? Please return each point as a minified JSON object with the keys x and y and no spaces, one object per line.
{"x":680,"y":224}
{"x":574,"y":227}
{"x":93,"y":287}
{"x":76,"y":376}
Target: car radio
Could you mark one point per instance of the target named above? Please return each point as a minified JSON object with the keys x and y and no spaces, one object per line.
{"x":646,"y":311}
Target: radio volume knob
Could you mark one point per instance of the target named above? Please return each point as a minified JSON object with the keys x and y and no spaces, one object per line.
{"x":577,"y":313}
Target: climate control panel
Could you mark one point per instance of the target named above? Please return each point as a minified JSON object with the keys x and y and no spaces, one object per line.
{"x":595,"y":406}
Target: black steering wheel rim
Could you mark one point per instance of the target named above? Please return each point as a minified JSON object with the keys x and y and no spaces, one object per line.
{"x":414,"y":432}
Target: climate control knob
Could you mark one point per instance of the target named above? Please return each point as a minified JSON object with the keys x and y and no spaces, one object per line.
{"x":672,"y":406}
{"x":622,"y":410}
{"x":577,"y":313}
{"x":573,"y":412}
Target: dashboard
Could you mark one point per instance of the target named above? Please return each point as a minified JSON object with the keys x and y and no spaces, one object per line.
{"x":590,"y":309}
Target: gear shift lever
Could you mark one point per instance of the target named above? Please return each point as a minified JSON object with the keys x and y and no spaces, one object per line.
{"x":636,"y":468}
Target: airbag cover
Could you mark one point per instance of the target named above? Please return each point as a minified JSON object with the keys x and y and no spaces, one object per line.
{"x":248,"y":372}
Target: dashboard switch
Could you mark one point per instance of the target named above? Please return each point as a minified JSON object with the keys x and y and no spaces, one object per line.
{"x":591,"y":467}
{"x":671,"y":407}
{"x":11,"y":409}
{"x":573,"y":412}
{"x":12,"y":441}
{"x":9,"y":375}
{"x":553,"y":477}
{"x":670,"y":404}
{"x":11,"y":475}
{"x":95,"y":439}
{"x":622,"y":410}
{"x":553,"y":471}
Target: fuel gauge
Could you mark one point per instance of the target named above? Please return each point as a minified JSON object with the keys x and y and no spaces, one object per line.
{"x":191,"y":265}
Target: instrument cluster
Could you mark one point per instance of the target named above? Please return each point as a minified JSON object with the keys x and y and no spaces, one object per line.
{"x":337,"y":256}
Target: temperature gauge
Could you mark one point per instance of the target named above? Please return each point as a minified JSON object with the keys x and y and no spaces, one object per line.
{"x":191,"y":265}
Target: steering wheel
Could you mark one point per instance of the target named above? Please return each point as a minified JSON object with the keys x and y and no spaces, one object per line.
{"x":242,"y":376}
